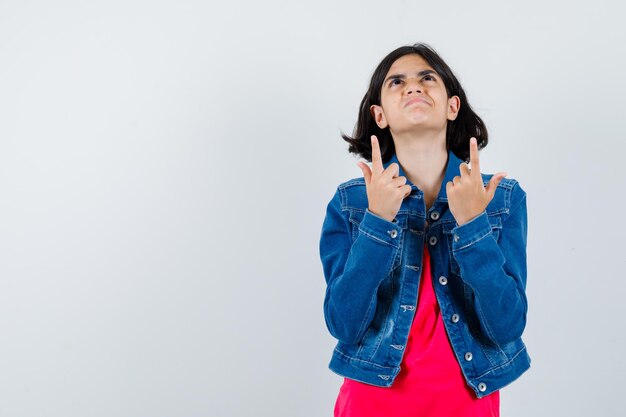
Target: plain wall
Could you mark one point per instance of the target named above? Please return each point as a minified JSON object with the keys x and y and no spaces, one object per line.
{"x":165,"y":169}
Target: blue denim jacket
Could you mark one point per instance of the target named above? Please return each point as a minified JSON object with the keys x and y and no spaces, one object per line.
{"x":372,"y":268}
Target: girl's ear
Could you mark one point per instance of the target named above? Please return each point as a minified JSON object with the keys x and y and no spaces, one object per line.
{"x":454,"y":104}
{"x":379,"y":116}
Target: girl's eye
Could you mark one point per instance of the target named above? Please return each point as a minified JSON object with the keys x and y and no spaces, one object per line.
{"x":393,"y":81}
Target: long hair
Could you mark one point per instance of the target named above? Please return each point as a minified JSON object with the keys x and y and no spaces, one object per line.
{"x":458,"y":131}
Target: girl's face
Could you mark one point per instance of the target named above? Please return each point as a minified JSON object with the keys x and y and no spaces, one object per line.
{"x":414,"y":98}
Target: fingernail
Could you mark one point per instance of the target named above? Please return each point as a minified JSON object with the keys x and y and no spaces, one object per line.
{"x":473,"y":140}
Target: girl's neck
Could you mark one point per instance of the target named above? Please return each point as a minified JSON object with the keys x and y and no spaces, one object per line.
{"x":423,"y":160}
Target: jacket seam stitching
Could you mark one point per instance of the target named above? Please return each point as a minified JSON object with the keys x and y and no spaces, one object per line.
{"x":484,"y":320}
{"x":376,"y":238}
{"x":474,"y":241}
{"x":507,"y":363}
{"x":351,"y":358}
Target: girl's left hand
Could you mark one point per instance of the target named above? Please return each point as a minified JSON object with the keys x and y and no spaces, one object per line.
{"x":467,"y":197}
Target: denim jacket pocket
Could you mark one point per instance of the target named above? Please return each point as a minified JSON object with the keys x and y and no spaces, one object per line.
{"x":495,"y":220}
{"x":356,"y":217}
{"x":373,"y":338}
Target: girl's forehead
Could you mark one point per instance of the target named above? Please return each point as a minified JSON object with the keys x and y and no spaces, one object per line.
{"x":409,"y":61}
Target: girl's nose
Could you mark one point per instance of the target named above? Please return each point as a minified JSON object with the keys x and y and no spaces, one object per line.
{"x":413,"y":86}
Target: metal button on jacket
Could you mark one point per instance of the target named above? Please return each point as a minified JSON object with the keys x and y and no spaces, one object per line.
{"x":432,"y":240}
{"x":456,"y":238}
{"x":443,"y":280}
{"x":393,"y":233}
{"x":468,"y":356}
{"x":434,"y":215}
{"x":482,"y":387}
{"x":455,"y":318}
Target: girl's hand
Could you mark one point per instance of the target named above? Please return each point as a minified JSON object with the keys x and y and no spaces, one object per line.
{"x":467,"y":197}
{"x":385,"y":190}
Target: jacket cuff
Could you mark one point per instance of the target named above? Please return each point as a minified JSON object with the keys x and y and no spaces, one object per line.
{"x":471,"y":232}
{"x":381,"y":230}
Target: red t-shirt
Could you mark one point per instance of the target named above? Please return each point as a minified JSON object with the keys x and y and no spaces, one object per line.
{"x":430,"y":382}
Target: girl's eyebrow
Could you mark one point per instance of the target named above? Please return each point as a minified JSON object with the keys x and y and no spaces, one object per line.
{"x":402,"y":76}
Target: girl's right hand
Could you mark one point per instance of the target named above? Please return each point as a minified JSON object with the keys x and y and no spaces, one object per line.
{"x":385,"y":189}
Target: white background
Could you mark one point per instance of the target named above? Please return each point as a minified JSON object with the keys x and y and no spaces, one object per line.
{"x":165,"y":169}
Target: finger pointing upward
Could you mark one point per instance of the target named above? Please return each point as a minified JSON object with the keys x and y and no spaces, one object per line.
{"x":474,"y":157}
{"x":377,"y":160}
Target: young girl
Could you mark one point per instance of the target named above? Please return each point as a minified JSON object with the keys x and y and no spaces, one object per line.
{"x":424,"y":256}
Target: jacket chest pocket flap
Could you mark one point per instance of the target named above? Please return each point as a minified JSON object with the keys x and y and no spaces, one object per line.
{"x":495,"y":220}
{"x":356,"y":217}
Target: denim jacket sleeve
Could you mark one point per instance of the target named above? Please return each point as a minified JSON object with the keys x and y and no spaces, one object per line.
{"x":354,"y":269}
{"x":496,"y":271}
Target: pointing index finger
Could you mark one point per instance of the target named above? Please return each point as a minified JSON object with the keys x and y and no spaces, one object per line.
{"x":377,"y":159}
{"x":474,"y":156}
